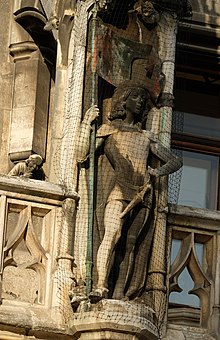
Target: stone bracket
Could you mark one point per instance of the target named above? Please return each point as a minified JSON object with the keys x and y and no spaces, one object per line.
{"x":113,"y":319}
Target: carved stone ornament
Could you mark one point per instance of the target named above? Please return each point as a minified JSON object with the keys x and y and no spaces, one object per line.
{"x":61,"y":8}
{"x":30,"y":168}
{"x":187,"y":258}
{"x":62,"y":20}
{"x":149,"y":10}
{"x":25,"y":232}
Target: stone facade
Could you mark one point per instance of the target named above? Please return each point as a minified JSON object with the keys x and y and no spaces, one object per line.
{"x":57,"y":60}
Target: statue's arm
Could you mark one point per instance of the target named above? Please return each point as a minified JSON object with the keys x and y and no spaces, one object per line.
{"x":82,"y":145}
{"x":171,"y":162}
{"x":18,"y":170}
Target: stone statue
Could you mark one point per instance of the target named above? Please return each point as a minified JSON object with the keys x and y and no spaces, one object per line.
{"x":147,"y":12}
{"x":127,"y":147}
{"x":30,"y":168}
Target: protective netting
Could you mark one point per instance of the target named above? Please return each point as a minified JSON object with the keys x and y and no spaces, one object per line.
{"x":118,"y":162}
{"x":175,"y":178}
{"x":65,"y":163}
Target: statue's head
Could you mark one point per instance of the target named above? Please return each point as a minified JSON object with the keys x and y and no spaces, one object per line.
{"x":34,"y":162}
{"x":147,"y":11}
{"x":132,"y":96}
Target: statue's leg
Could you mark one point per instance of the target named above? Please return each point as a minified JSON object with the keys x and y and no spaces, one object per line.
{"x":113,"y":226}
{"x":128,"y":261}
{"x":141,"y":261}
{"x":139,"y":275}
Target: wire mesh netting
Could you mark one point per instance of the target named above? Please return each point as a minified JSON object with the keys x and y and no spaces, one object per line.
{"x":175,"y":178}
{"x":116,"y":153}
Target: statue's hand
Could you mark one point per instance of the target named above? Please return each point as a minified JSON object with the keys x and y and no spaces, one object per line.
{"x":153,"y":172}
{"x":27,"y":174}
{"x":91,"y":114}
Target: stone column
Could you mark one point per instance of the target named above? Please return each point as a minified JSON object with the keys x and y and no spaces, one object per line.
{"x":158,"y":265}
{"x":167,"y":47}
{"x":72,"y":42}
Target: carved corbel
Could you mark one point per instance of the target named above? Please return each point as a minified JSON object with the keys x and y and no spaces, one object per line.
{"x":62,"y":19}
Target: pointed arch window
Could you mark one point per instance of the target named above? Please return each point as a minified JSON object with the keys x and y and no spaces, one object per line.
{"x":190,"y":278}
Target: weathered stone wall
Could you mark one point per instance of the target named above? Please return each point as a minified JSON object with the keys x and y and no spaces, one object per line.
{"x":25,"y":87}
{"x":205,"y":12}
{"x":6,"y":83}
{"x":187,"y":333}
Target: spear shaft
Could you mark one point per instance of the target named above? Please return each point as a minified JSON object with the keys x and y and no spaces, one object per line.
{"x":91,"y":189}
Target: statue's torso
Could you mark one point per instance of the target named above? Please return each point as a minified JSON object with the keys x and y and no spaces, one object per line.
{"x":128,"y":152}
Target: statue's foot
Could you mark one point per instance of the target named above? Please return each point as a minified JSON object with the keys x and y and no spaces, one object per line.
{"x":76,"y":299}
{"x":98,"y":294}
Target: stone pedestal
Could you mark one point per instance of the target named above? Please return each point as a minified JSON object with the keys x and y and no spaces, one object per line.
{"x":115,"y":320}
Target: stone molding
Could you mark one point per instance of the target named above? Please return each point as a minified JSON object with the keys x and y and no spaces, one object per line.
{"x":34,"y":188}
{"x":117,"y":319}
{"x":22,"y":50}
{"x":34,"y":322}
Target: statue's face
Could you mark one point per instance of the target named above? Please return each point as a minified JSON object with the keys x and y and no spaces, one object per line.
{"x":32,"y":165}
{"x":149,"y":14}
{"x":136,"y":100}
